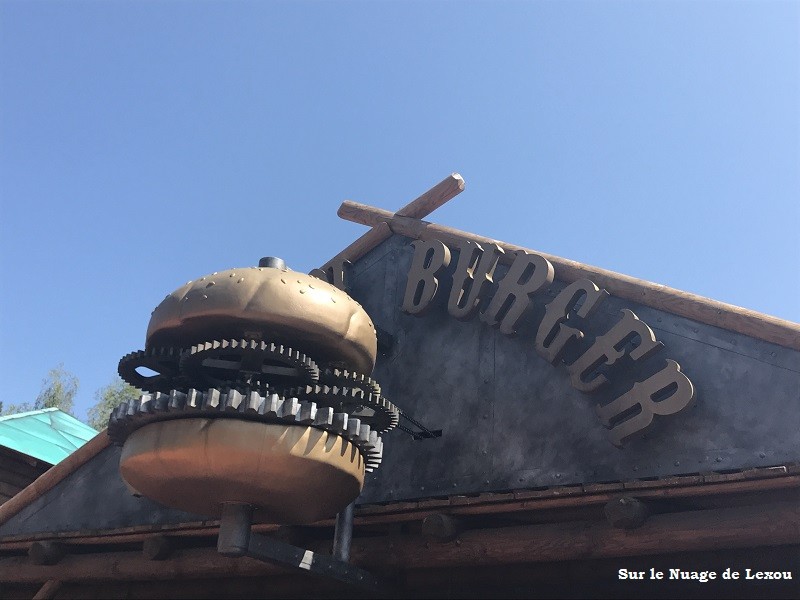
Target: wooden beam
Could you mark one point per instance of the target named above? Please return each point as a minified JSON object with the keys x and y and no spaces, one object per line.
{"x":157,"y":547}
{"x":52,"y":476}
{"x":441,"y":527}
{"x":765,"y":524}
{"x":444,"y":191}
{"x":772,"y":524}
{"x":48,"y":590}
{"x":661,"y":297}
{"x":420,"y":207}
{"x":626,"y":512}
{"x":778,"y":488}
{"x":46,"y":552}
{"x":132,"y":566}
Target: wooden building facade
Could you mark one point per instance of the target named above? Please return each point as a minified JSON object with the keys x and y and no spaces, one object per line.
{"x":595,"y":436}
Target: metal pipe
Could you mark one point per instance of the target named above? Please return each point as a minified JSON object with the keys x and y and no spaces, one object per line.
{"x":343,"y":534}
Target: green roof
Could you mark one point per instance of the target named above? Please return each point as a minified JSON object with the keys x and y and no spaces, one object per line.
{"x":49,"y":434}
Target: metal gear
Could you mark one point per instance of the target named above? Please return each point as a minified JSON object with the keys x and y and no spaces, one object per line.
{"x":247,"y":363}
{"x":373,"y":409}
{"x":128,"y":417}
{"x":350,"y":379}
{"x":164,"y":362}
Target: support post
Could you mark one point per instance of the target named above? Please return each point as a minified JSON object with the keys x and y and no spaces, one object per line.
{"x":234,"y":529}
{"x":343,"y":534}
{"x":236,"y":539}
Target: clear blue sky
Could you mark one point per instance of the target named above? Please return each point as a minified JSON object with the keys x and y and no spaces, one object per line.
{"x":143,"y":144}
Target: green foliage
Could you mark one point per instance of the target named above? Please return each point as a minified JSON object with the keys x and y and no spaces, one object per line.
{"x":58,"y":390}
{"x":13,"y":409}
{"x":107,"y":399}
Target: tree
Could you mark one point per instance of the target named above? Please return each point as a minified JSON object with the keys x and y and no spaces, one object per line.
{"x":13,"y":409}
{"x":108,"y":398}
{"x":58,"y":390}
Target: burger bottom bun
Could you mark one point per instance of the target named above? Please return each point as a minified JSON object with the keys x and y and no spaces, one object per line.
{"x":290,"y":474}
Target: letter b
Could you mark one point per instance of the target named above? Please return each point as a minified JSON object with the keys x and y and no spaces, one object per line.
{"x":431,"y":257}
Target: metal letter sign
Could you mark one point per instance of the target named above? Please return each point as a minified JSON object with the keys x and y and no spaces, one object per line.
{"x":472,"y":279}
{"x":665,"y":393}
{"x":553,"y":335}
{"x":609,"y":348}
{"x":529,"y":273}
{"x":430,"y":259}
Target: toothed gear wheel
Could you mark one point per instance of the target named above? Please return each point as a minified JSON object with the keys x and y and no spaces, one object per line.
{"x":238,"y":363}
{"x":128,"y":417}
{"x":164,"y":362}
{"x":351,"y":379}
{"x":373,"y":409}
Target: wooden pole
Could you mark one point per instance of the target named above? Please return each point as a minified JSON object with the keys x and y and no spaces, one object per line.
{"x":684,"y":304}
{"x":444,"y":191}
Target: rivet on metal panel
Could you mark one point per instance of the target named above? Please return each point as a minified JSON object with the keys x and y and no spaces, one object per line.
{"x":677,"y":463}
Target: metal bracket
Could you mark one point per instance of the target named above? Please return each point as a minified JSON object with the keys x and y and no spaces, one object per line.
{"x":236,"y":539}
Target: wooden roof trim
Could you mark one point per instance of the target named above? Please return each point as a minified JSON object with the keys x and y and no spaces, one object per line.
{"x":762,"y":524}
{"x":444,"y":191}
{"x":54,"y":475}
{"x":698,"y":308}
{"x":762,"y":479}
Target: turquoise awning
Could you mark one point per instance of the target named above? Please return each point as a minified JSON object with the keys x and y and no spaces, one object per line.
{"x":50,"y":434}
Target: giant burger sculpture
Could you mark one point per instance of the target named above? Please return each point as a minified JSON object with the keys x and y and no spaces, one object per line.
{"x":258,"y":392}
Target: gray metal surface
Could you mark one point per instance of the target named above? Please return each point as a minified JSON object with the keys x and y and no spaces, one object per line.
{"x":93,"y":498}
{"x":510,"y":420}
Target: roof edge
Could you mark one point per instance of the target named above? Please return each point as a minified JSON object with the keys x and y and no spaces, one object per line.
{"x":54,"y":475}
{"x":29,"y":413}
{"x":685,"y":304}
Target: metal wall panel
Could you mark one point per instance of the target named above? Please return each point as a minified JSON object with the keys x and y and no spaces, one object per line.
{"x":511,"y":420}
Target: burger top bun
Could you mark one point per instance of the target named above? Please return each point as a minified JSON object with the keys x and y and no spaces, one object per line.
{"x":272,"y":305}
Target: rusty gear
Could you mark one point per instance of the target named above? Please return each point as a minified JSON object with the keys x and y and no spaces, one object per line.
{"x":164,"y":362}
{"x":350,"y":379}
{"x":373,"y":409}
{"x":247,"y":363}
{"x":214,"y":403}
